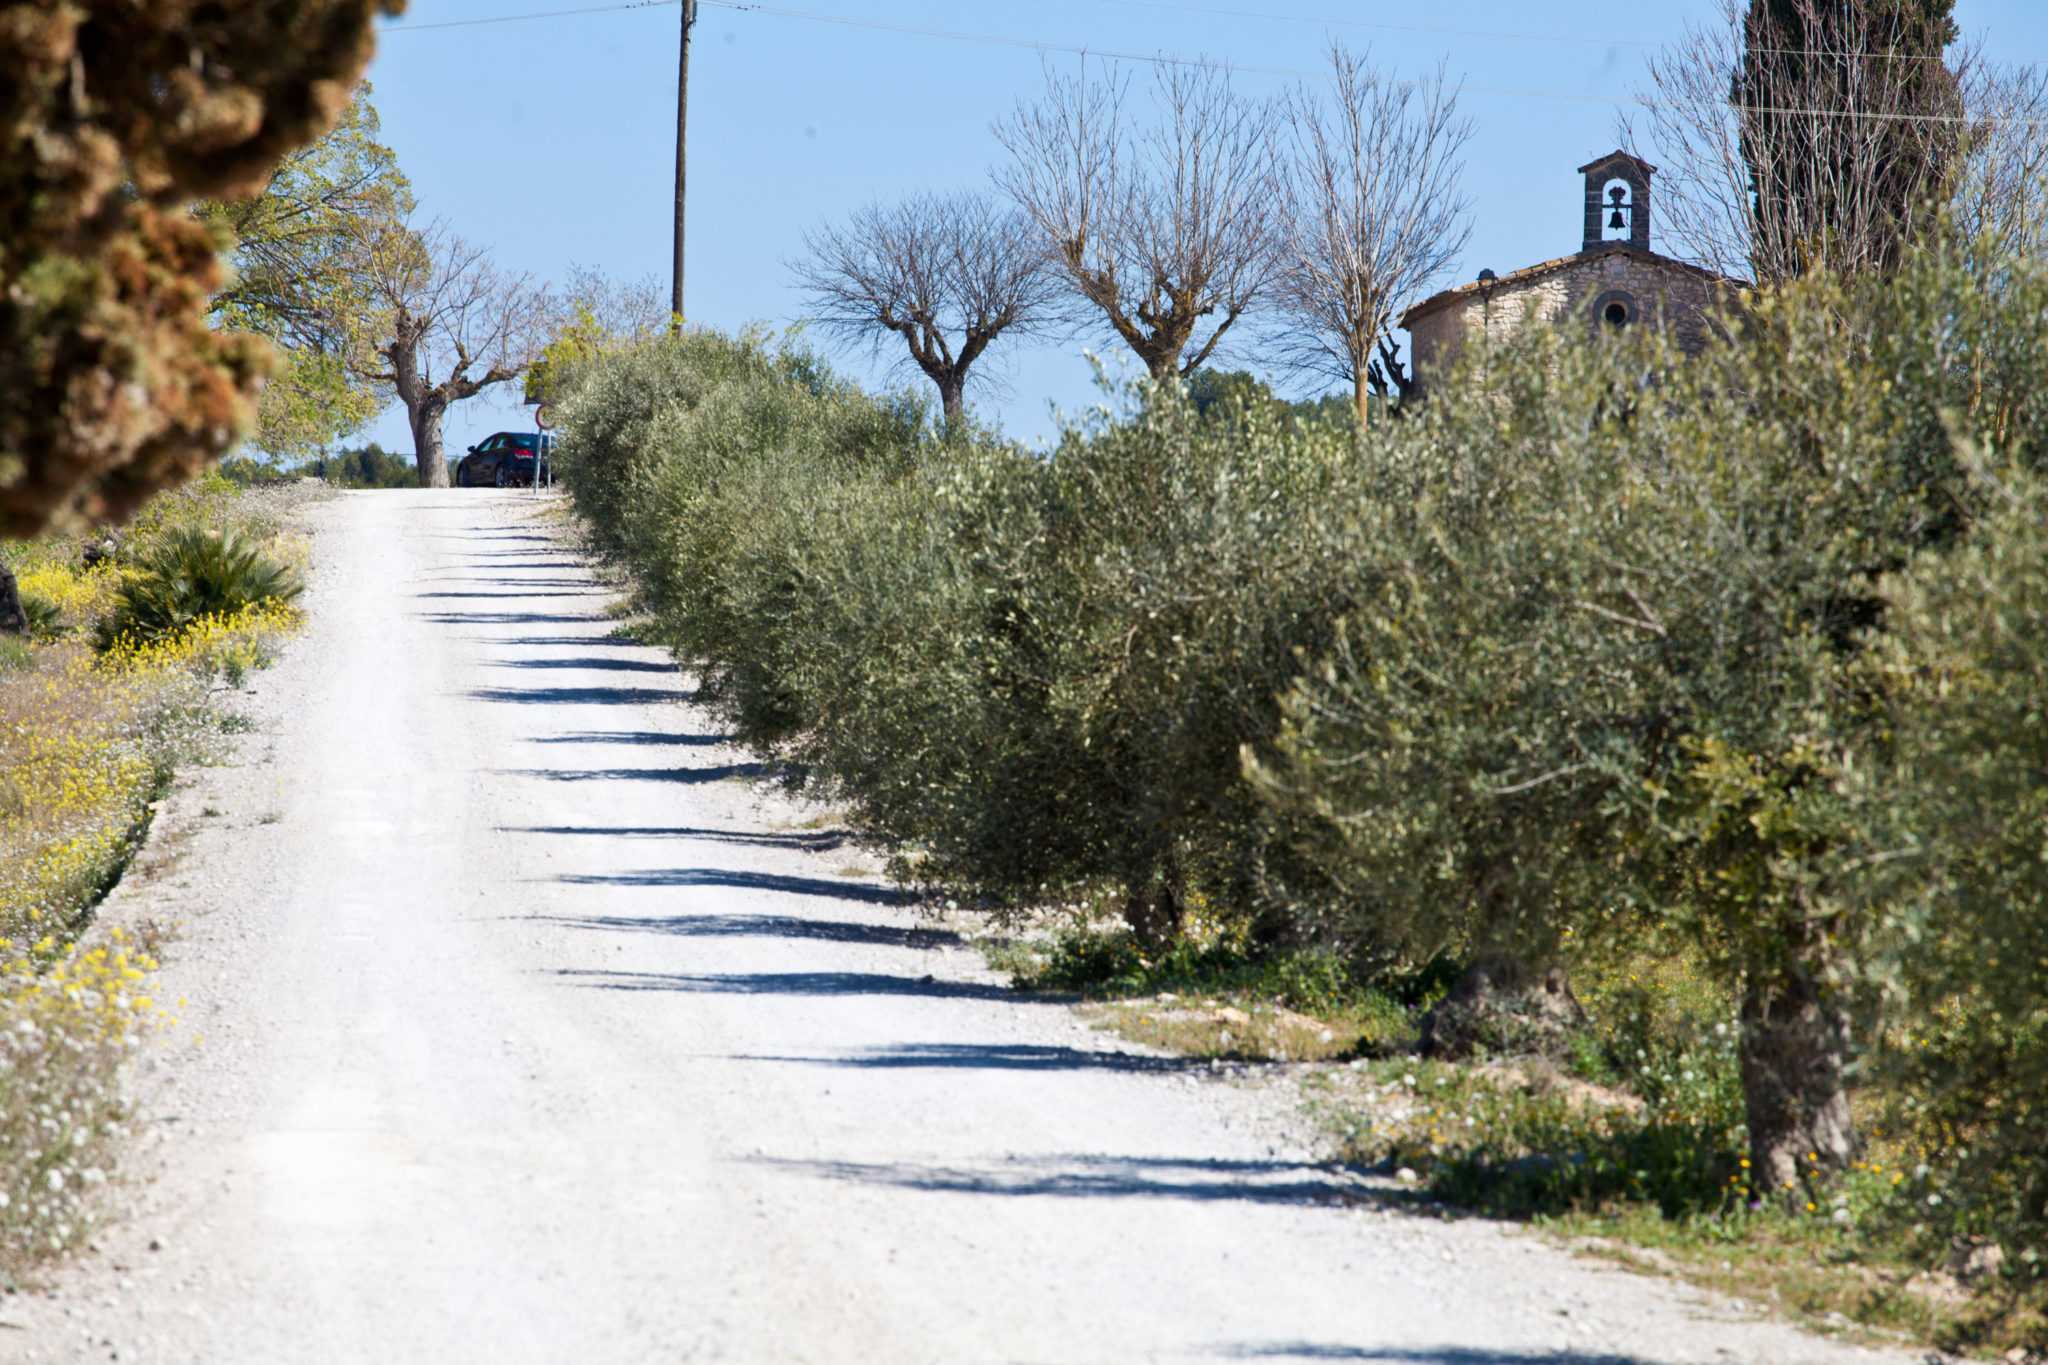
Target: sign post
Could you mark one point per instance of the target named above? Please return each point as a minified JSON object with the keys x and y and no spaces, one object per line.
{"x":544,"y":424}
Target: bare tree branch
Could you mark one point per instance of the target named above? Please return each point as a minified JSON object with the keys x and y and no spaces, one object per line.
{"x":944,"y":274}
{"x":1809,"y":135}
{"x":1374,"y":212}
{"x":441,"y":307}
{"x":1160,"y":231}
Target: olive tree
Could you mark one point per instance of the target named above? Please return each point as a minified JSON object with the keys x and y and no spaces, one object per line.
{"x":1614,"y":666}
{"x":1958,"y":856}
{"x":297,"y":277}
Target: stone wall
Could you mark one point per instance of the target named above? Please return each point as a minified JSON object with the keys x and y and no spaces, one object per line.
{"x":1654,"y":293}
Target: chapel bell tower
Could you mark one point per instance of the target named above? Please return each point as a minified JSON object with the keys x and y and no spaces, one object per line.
{"x":1617,"y":201}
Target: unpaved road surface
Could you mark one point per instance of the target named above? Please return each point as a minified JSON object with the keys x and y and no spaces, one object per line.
{"x":523,"y":1024}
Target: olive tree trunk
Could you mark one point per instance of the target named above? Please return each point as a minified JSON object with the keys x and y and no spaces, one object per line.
{"x":1794,"y":1054}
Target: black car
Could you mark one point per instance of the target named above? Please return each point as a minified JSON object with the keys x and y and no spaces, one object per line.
{"x":507,"y":459}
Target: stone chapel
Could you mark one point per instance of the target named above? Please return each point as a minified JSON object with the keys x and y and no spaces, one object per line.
{"x":1612,"y":281}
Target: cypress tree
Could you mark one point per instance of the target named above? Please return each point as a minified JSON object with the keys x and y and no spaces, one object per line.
{"x":1814,"y":75}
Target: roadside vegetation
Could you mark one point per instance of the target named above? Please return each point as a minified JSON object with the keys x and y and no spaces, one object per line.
{"x":368,"y":466}
{"x":135,"y":637}
{"x":1600,"y":739}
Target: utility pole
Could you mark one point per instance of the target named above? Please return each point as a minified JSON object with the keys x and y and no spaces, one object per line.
{"x":675,"y":304}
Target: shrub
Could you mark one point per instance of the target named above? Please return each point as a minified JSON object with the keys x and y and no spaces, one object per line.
{"x":1615,"y":670}
{"x":1959,"y":848}
{"x":1583,"y":657}
{"x":45,"y":618}
{"x":187,"y":574}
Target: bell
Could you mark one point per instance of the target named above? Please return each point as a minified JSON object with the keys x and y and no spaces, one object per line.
{"x":1614,"y":219}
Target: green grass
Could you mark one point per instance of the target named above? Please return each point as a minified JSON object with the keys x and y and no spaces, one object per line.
{"x":1214,"y":999}
{"x":1630,"y":1145}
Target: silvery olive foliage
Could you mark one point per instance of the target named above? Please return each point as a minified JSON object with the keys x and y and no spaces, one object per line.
{"x":1599,"y":643}
{"x":1959,"y":846}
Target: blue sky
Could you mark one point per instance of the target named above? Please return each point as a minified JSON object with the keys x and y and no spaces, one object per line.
{"x":551,"y":139}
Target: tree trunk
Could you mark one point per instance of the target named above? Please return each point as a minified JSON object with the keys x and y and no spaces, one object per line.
{"x":1361,"y":394}
{"x":950,"y":400}
{"x":13,"y":620}
{"x":426,"y":445}
{"x":1153,"y":907}
{"x":1795,"y":1047}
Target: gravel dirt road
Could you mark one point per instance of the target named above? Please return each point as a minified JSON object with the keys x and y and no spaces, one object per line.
{"x":523,"y":1025}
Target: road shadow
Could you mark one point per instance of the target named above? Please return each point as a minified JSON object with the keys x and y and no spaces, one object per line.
{"x":566,"y":561}
{"x":633,"y":738}
{"x":764,"y":926}
{"x":819,"y":887}
{"x":1197,"y":1179}
{"x":579,"y":696}
{"x":611,"y":665}
{"x":486,"y":559}
{"x":581,"y":641}
{"x":810,"y":841}
{"x":550,"y":592}
{"x":795,"y":983}
{"x":509,"y":618}
{"x":995,"y":1057}
{"x":1417,"y":1355}
{"x":724,"y":772}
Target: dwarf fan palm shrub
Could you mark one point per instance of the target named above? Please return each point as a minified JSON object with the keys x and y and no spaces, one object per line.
{"x":187,"y":573}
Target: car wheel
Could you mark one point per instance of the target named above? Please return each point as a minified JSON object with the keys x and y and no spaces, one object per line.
{"x":461,"y":476}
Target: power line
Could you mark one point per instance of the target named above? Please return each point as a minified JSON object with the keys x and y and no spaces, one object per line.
{"x":522,"y":18}
{"x":1000,"y":40}
{"x":1492,"y":35}
{"x":1165,"y":59}
{"x":1382,"y":26}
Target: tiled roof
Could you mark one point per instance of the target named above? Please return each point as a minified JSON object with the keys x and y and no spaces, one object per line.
{"x":1619,"y":155}
{"x":1530,"y":272}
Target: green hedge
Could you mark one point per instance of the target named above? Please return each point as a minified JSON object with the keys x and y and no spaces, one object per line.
{"x":1597,"y":643}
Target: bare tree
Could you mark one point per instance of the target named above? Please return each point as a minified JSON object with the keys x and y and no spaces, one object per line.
{"x":588,"y":315}
{"x":448,"y":324}
{"x":1157,"y":230}
{"x":1374,"y":213}
{"x":2001,"y":198}
{"x":947,"y":274}
{"x":624,"y":311}
{"x":1804,"y":134}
